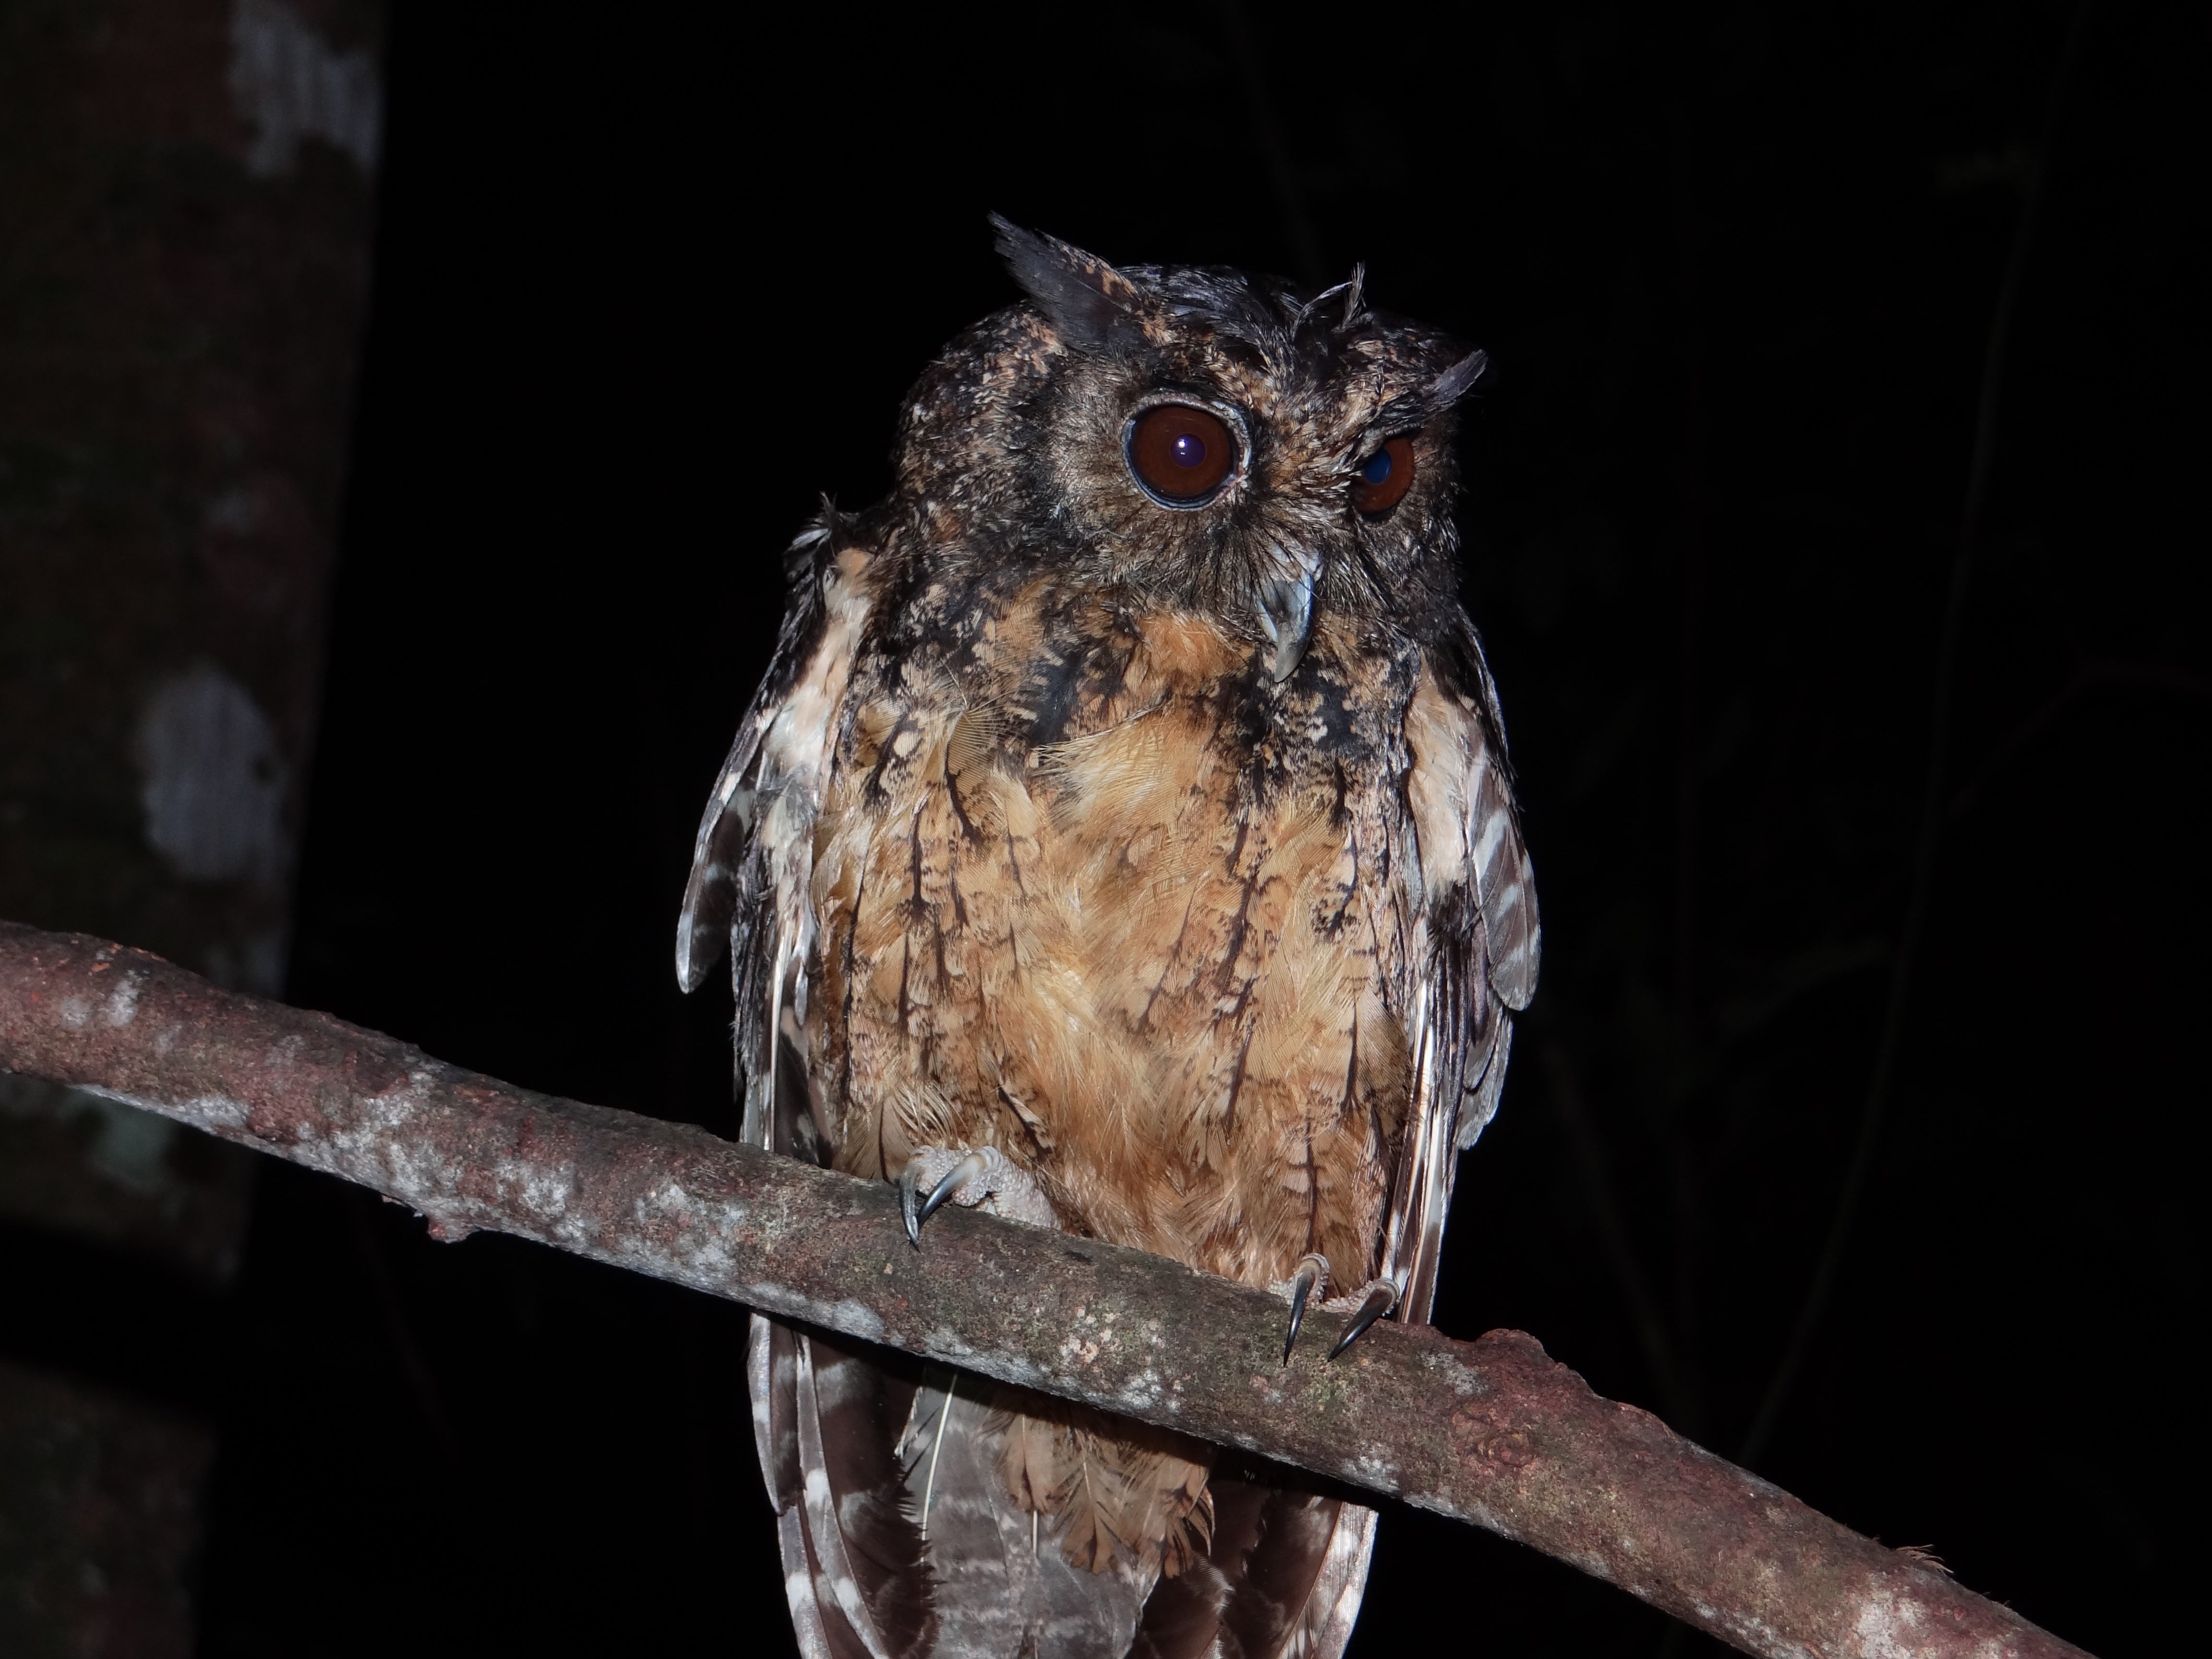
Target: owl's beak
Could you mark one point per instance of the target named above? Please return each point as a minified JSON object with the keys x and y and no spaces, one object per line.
{"x":1286,"y":617}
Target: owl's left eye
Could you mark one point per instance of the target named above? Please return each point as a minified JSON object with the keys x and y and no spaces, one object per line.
{"x":1181,"y":455}
{"x":1384,"y":477}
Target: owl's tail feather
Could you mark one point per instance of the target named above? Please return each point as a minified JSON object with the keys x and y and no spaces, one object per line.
{"x":1107,"y":1489}
{"x":904,"y":1539}
{"x":1283,"y":1579}
{"x":827,"y":1422}
{"x":1001,"y":1582}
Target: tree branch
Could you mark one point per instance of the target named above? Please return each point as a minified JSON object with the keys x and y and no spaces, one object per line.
{"x":1490,"y":1431}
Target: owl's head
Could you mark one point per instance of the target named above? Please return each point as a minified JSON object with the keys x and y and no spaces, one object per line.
{"x":1197,"y":437}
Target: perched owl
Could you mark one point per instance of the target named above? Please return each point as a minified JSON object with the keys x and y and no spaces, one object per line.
{"x":1122,"y":841}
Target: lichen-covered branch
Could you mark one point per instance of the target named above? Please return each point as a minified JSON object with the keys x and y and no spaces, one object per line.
{"x":1490,"y":1431}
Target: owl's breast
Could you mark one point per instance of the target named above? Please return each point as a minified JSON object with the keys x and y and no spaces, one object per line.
{"x":1111,"y":902}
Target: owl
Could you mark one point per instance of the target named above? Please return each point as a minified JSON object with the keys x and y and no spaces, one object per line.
{"x":1121,"y":841}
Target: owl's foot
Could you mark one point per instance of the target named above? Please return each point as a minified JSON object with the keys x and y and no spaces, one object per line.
{"x":980,"y":1177}
{"x":1377,"y":1300}
{"x":1312,"y":1275}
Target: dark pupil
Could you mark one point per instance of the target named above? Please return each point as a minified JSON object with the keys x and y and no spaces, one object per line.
{"x":1188,"y":449}
{"x":1377,"y":467}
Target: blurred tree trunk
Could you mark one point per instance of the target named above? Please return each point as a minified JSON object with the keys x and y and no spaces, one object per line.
{"x":186,"y":198}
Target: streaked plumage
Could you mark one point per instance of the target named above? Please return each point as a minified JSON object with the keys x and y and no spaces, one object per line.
{"x":1167,"y":849}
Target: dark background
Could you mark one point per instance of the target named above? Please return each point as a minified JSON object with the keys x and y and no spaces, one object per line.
{"x":648,"y":280}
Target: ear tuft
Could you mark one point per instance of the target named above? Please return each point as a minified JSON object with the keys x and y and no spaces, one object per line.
{"x":1456,"y":382}
{"x":1085,"y":299}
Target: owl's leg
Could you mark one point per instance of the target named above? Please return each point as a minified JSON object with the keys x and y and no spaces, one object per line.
{"x":1312,"y":1275}
{"x":1376,"y":1300}
{"x":982,"y":1176}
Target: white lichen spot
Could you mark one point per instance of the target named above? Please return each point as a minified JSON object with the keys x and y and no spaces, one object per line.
{"x":123,"y":1000}
{"x":1885,"y":1627}
{"x":292,"y":84}
{"x":1143,"y":1393}
{"x":1370,"y":1469}
{"x":212,"y":781}
{"x":544,"y":1192}
{"x":215,"y":1112}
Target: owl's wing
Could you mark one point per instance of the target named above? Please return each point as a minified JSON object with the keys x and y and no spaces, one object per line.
{"x":826,"y":1419}
{"x":752,"y":863}
{"x":1475,"y":925}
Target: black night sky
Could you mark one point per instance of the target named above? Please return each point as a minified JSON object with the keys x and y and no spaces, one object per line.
{"x":649,"y":280}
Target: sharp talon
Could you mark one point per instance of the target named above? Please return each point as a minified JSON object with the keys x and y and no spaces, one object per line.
{"x":955,"y":1178}
{"x":1313,"y":1271}
{"x":909,"y":1186}
{"x":1380,"y":1301}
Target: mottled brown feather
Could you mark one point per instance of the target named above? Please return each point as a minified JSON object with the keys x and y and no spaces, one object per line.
{"x":1173,"y":853}
{"x":1184,"y":992}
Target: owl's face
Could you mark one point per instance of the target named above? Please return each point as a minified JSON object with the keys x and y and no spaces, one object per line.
{"x":1196,"y":437}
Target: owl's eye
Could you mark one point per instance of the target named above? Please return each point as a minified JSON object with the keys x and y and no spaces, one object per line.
{"x":1384,"y":477}
{"x":1180,"y":454}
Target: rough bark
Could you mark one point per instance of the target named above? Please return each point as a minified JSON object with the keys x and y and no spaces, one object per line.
{"x":1491,"y":1431}
{"x":187,"y":195}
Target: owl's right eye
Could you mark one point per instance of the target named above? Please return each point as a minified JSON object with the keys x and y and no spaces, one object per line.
{"x":1180,"y":454}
